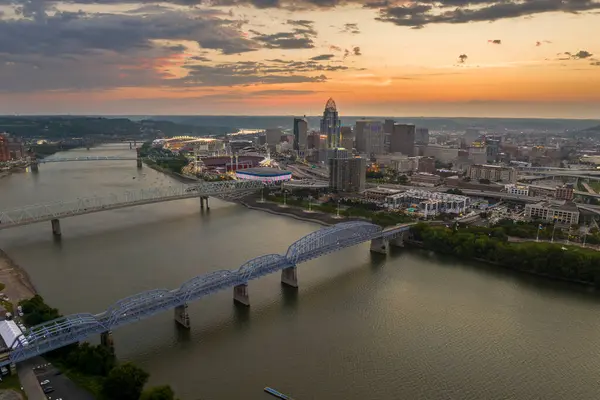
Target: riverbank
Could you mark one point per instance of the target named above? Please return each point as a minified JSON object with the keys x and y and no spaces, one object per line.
{"x":18,"y":284}
{"x":179,"y":177}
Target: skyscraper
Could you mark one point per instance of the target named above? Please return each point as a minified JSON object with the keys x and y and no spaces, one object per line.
{"x":330,"y":125}
{"x":347,"y":174}
{"x":403,"y":140}
{"x":300,"y":134}
{"x":422,"y":136}
{"x":369,"y":137}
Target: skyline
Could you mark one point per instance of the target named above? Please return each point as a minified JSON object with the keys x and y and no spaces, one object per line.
{"x":525,"y":59}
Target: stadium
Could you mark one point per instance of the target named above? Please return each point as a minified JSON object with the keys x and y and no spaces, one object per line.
{"x":267,"y":175}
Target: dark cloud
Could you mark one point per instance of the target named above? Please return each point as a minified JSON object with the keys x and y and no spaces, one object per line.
{"x":351,"y":28}
{"x":356,"y":51}
{"x":595,"y":63}
{"x":418,"y":15}
{"x":462,"y":58}
{"x":301,"y":22}
{"x":322,"y":57}
{"x":539,"y":43}
{"x":581,"y":54}
{"x":285,"y":40}
{"x":282,"y":92}
{"x":495,"y":41}
{"x":335,"y":48}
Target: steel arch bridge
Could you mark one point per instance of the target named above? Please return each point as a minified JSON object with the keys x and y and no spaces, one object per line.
{"x":46,"y":212}
{"x":77,"y":327}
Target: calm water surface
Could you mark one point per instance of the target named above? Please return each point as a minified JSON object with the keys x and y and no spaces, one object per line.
{"x":361,"y":326}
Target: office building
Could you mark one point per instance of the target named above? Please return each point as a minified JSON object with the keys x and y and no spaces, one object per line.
{"x":493,"y":173}
{"x":388,"y":126}
{"x":402,"y":139}
{"x":426,"y":164}
{"x":422,"y":136}
{"x":273,"y":136}
{"x":441,"y":153}
{"x":347,"y":174}
{"x":300,"y":134}
{"x":347,"y":137}
{"x":478,"y":154}
{"x":429,"y":203}
{"x":330,"y":125}
{"x":562,"y":212}
{"x":370,"y":138}
{"x":564,"y":192}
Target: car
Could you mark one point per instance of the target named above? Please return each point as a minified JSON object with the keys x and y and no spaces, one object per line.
{"x":48,"y":389}
{"x":45,"y":382}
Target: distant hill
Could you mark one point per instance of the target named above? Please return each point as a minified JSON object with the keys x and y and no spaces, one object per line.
{"x":450,"y":124}
{"x":63,"y":127}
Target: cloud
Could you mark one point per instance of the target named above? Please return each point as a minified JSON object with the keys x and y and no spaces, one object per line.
{"x":495,"y":41}
{"x":322,"y":57}
{"x":356,"y":51}
{"x":350,"y":28}
{"x":595,"y":63}
{"x":539,"y":43}
{"x":418,"y":15}
{"x":285,"y":40}
{"x":462,"y":58}
{"x":301,"y":22}
{"x":335,"y":48}
{"x":581,"y":54}
{"x":282,"y":92}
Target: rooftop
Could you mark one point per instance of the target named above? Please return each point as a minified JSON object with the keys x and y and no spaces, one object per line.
{"x":263,"y":171}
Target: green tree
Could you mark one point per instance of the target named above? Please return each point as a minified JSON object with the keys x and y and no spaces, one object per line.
{"x":158,"y":393}
{"x":124,"y":382}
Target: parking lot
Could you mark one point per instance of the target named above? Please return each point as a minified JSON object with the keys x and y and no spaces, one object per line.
{"x":57,"y":386}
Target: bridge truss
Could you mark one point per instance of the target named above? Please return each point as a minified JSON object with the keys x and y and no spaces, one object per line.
{"x":92,"y":158}
{"x":74,"y":328}
{"x":63,"y":209}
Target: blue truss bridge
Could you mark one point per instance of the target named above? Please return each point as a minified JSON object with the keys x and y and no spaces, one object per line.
{"x":77,"y":327}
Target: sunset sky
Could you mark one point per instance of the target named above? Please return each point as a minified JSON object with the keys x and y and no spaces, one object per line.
{"x":497,"y":58}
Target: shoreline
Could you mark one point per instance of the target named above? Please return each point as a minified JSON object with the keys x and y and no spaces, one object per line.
{"x":19,"y":285}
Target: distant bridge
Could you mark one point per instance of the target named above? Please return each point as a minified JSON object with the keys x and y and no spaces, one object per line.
{"x":55,"y":211}
{"x":74,"y":328}
{"x":93,"y":158}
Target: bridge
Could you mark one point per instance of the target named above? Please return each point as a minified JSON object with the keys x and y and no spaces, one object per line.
{"x":55,"y":211}
{"x":70,"y":329}
{"x":92,"y":158}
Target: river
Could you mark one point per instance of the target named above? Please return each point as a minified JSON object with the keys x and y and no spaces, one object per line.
{"x":360,"y":326}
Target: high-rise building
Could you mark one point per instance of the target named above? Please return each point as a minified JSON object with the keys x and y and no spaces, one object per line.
{"x":330,"y":125}
{"x":370,"y":138}
{"x":422,"y":136}
{"x":403,"y":139}
{"x":388,"y":126}
{"x":493,"y":173}
{"x":300,"y":134}
{"x":273,"y":136}
{"x":347,"y":174}
{"x":11,"y":147}
{"x":347,"y":137}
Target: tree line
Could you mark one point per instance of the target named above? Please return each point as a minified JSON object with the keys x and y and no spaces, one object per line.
{"x":491,"y":245}
{"x":95,"y":367}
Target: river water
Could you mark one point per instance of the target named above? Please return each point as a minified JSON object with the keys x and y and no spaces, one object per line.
{"x":361,"y":326}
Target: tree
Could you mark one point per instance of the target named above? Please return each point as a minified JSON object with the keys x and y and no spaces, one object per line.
{"x":158,"y":393}
{"x":484,"y":181}
{"x":124,"y":382}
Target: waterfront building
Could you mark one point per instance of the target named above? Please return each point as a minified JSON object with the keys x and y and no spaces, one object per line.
{"x":11,"y":147}
{"x":428,"y":203}
{"x":402,"y":139}
{"x":370,"y":138}
{"x":330,"y":125}
{"x":346,"y":174}
{"x":494,"y":173}
{"x":558,"y":211}
{"x":300,"y":134}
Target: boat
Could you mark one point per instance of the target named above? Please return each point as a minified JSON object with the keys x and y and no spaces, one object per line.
{"x":277,"y":394}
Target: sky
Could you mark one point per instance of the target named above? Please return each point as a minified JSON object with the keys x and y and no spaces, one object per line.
{"x":472,"y":58}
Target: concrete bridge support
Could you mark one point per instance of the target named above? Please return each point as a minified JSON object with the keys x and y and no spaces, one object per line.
{"x":182,"y":317}
{"x":35,"y":167}
{"x":203,"y":201}
{"x":56,"y":227}
{"x":139,"y":163}
{"x":240,"y":294}
{"x":289,"y":276}
{"x":107,"y":341}
{"x":380,"y":245}
{"x":399,"y":240}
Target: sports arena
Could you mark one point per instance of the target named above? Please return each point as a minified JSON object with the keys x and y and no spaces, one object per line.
{"x":267,"y":175}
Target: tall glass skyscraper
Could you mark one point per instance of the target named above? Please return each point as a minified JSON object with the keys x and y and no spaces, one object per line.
{"x":330,"y":125}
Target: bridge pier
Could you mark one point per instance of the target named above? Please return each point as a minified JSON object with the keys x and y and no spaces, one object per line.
{"x":35,"y":167}
{"x":380,"y":245}
{"x":204,"y":199}
{"x":240,"y":294}
{"x":56,"y":227}
{"x":182,"y":317}
{"x":139,"y":163}
{"x":107,"y":341}
{"x":289,"y":276}
{"x":398,"y":241}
